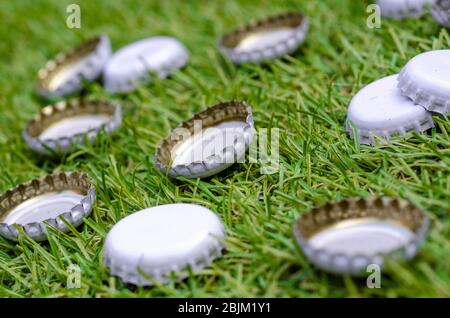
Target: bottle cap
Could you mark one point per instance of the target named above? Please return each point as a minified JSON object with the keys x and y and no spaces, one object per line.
{"x":441,"y":12}
{"x":33,"y":205}
{"x":130,"y":66}
{"x":266,"y":39}
{"x":57,"y":127}
{"x":208,"y":143}
{"x":347,"y":236}
{"x":426,"y":80}
{"x":379,"y":109}
{"x":64,"y":74}
{"x":401,"y":9}
{"x":153,"y":243}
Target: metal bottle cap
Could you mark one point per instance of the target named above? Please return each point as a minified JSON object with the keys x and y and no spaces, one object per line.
{"x":401,"y":9}
{"x":57,"y":127}
{"x":37,"y":203}
{"x":64,"y":74}
{"x":208,"y":143}
{"x":153,"y":243}
{"x":266,"y":39}
{"x":130,"y":66}
{"x":426,"y":80}
{"x":347,"y":236}
{"x":441,"y":12}
{"x":379,"y":109}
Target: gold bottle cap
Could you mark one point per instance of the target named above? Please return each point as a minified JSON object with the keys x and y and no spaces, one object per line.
{"x":208,"y":143}
{"x":347,"y":236}
{"x":33,"y":205}
{"x":265,"y":39}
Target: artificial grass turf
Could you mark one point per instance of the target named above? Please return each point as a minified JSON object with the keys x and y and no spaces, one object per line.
{"x":305,"y":95}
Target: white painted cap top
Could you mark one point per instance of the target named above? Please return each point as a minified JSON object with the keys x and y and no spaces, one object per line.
{"x":401,"y":9}
{"x":426,"y":80}
{"x":380,"y":109}
{"x":130,"y":66}
{"x":163,"y":239}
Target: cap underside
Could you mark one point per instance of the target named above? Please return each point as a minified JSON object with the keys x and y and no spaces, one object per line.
{"x":43,"y":199}
{"x":263,"y":33}
{"x":43,"y":207}
{"x":362,"y":236}
{"x":70,"y":65}
{"x":73,"y":118}
{"x":205,"y":135}
{"x":208,"y":142}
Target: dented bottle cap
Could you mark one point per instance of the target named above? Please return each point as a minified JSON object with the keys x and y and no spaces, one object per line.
{"x":266,"y":39}
{"x":130,"y":66}
{"x":35,"y":204}
{"x":150,"y":245}
{"x":426,"y":80}
{"x":208,"y":143}
{"x":64,"y":74}
{"x":57,"y":127}
{"x":347,"y":236}
{"x":401,"y":9}
{"x":379,"y":109}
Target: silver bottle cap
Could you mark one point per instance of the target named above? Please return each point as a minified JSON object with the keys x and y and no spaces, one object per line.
{"x":401,"y":9}
{"x":130,"y":66}
{"x":35,"y":204}
{"x":347,"y":236}
{"x":151,"y":245}
{"x":266,"y":39}
{"x":425,"y":79}
{"x":64,"y":74}
{"x":208,"y":143}
{"x":379,"y":110}
{"x":441,"y":12}
{"x":57,"y":127}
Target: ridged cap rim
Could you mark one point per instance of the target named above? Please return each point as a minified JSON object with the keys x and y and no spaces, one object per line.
{"x":55,"y":182}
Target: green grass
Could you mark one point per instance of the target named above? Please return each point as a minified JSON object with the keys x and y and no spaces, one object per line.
{"x":306,"y":95}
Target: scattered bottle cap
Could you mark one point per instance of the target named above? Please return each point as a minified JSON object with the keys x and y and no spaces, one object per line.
{"x":380,"y":110}
{"x":426,"y":80}
{"x":57,"y":127}
{"x":151,"y":245}
{"x":401,"y":9}
{"x":208,"y":143}
{"x":441,"y":12}
{"x":266,"y":39}
{"x":130,"y":66}
{"x":35,"y":204}
{"x":64,"y":74}
{"x":347,"y":236}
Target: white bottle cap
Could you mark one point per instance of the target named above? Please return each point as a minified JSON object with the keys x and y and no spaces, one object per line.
{"x":155,"y":242}
{"x":57,"y":127}
{"x":401,"y":9}
{"x":379,"y":109}
{"x":35,"y":204}
{"x":426,"y":80}
{"x":265,"y":39}
{"x":208,"y":143}
{"x":347,"y":236}
{"x":64,"y":74}
{"x":130,"y":66}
